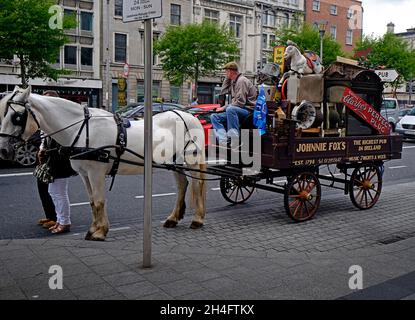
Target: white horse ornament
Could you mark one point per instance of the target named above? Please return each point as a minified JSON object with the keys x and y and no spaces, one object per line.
{"x":22,"y":113}
{"x":300,"y":64}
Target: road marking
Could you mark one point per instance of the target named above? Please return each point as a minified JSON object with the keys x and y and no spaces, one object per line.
{"x":119,"y":229}
{"x":16,"y":174}
{"x":397,"y":167}
{"x":157,"y":195}
{"x":334,"y":174}
{"x":215,"y":189}
{"x":408,"y":147}
{"x":79,"y":204}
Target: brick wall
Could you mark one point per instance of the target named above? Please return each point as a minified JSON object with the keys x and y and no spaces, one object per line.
{"x":340,"y":20}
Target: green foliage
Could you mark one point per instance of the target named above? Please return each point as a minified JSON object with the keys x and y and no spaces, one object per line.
{"x":307,"y":38}
{"x":25,"y":31}
{"x":195,"y":50}
{"x":388,"y":51}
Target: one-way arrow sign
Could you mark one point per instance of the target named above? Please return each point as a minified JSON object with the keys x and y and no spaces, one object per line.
{"x":389,"y":75}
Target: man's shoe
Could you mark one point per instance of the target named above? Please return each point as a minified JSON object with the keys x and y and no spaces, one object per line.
{"x":48,"y":224}
{"x":40,"y":222}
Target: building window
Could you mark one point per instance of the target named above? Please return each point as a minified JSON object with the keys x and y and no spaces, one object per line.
{"x":333,"y":32}
{"x":70,"y":55}
{"x":175,"y":11}
{"x":118,"y":7}
{"x":271,"y":40}
{"x":86,"y":21}
{"x":349,"y":37}
{"x":120,"y":47}
{"x":212,"y":16}
{"x":235,"y":25}
{"x":285,"y":19}
{"x":140,"y":90}
{"x":268,"y":18}
{"x":86,"y":56}
{"x":350,"y":13}
{"x":333,"y":10}
{"x":294,"y":2}
{"x":316,"y":5}
{"x":264,"y":41}
{"x":174,"y":94}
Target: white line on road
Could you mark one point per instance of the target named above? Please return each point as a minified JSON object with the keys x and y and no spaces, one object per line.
{"x":157,"y":195}
{"x":397,"y":167}
{"x":16,"y":174}
{"x":79,"y":204}
{"x":408,"y":147}
{"x":119,"y":229}
{"x":215,"y":189}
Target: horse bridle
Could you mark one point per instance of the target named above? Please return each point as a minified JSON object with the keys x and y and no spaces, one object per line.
{"x":19,"y":118}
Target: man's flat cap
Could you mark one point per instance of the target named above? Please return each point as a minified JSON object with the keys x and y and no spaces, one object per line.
{"x":231,"y":66}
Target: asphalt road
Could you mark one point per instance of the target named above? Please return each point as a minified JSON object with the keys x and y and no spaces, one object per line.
{"x":20,"y":206}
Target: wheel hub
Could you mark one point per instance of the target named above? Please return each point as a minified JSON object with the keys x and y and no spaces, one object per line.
{"x":366,"y":185}
{"x":305,"y":196}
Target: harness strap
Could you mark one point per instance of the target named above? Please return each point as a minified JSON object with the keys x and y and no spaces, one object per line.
{"x":85,"y":122}
{"x":187,"y":131}
{"x":121,"y":146}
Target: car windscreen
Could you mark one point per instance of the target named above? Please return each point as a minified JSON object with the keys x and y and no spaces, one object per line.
{"x":388,"y":104}
{"x":412,"y":112}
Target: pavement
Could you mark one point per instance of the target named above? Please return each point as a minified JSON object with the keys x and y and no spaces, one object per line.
{"x":254,"y":253}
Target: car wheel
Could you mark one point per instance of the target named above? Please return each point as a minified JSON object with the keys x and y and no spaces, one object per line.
{"x":26,"y":155}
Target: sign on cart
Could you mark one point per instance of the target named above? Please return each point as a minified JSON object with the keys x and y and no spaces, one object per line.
{"x":134,"y":10}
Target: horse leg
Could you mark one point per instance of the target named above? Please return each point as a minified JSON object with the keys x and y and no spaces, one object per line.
{"x":88,"y":187}
{"x":100,"y":225}
{"x":180,"y":207}
{"x":198,"y":196}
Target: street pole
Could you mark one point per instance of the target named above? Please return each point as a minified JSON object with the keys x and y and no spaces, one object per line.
{"x":107,"y":62}
{"x":321,"y":45}
{"x":260,"y":37}
{"x":148,"y":140}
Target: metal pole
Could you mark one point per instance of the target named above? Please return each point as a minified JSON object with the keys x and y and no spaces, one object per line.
{"x":321,"y":45}
{"x":410,"y":91}
{"x":107,"y":62}
{"x":148,"y":142}
{"x":260,"y":37}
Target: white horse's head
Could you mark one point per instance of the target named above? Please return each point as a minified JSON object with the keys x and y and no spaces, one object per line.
{"x":15,"y":120}
{"x":291,"y":50}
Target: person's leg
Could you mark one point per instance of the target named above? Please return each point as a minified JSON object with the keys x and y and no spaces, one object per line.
{"x":235,"y":116}
{"x":47,"y":202}
{"x":59,"y":192}
{"x":218,"y":122}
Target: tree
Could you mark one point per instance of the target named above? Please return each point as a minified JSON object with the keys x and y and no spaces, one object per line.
{"x":35,"y":35}
{"x":191,"y":51}
{"x":308,"y":38}
{"x":388,"y":51}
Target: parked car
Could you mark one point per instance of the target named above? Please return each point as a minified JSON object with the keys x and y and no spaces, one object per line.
{"x":404,"y":112}
{"x":390,"y":111}
{"x":136,"y":111}
{"x":203,"y":112}
{"x":406,"y":126}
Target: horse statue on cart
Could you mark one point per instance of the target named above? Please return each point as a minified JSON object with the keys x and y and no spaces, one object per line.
{"x":95,"y":134}
{"x":300,"y":64}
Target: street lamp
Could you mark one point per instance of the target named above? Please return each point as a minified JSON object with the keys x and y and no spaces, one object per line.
{"x":322,"y":25}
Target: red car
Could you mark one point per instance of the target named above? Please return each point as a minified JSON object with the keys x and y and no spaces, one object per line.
{"x":203,"y":112}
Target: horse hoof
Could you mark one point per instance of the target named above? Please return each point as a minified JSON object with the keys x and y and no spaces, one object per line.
{"x":97,"y":239}
{"x":170,"y":224}
{"x":196,"y":225}
{"x":88,"y":235}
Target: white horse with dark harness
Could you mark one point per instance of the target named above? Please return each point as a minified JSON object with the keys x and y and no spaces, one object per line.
{"x":92,"y":138}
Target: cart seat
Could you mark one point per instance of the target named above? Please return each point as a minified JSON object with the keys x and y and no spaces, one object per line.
{"x":248,"y":123}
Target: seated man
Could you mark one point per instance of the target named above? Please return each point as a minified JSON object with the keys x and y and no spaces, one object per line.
{"x":244,"y":94}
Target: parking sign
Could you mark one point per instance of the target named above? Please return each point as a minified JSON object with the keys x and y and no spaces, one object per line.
{"x":134,"y":10}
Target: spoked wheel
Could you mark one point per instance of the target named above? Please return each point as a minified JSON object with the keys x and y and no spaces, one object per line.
{"x":365,"y":186}
{"x":302,"y":196}
{"x":235,"y":190}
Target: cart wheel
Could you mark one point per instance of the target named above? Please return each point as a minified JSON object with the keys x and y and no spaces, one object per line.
{"x":234,"y":190}
{"x":365,"y":186}
{"x":302,"y":196}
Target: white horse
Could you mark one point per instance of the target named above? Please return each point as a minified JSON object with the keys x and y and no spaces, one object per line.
{"x":22,"y":113}
{"x":298,"y":62}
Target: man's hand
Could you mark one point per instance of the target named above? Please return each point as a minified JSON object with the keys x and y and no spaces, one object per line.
{"x":221,"y":109}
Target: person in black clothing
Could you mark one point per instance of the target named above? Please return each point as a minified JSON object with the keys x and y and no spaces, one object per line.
{"x":45,"y":198}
